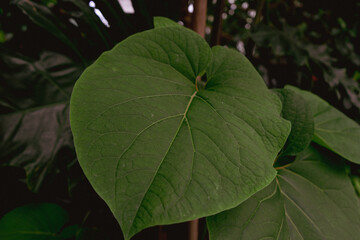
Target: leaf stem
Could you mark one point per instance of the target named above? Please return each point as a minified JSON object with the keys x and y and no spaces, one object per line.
{"x":198,"y":25}
{"x":284,"y":166}
{"x":217,"y":24}
{"x":194,"y":229}
{"x":199,"y":17}
{"x":198,"y":78}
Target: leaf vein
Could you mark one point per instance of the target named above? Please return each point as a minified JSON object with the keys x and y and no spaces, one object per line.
{"x":162,"y":160}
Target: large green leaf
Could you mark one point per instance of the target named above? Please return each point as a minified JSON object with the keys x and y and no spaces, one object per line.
{"x":312,"y":199}
{"x":333,"y":129}
{"x":298,"y":112}
{"x":34,"y":222}
{"x":159,"y":151}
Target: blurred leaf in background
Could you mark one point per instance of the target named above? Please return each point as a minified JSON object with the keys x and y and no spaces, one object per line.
{"x":37,"y":221}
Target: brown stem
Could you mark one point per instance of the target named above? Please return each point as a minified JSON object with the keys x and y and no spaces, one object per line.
{"x":282,"y":167}
{"x":217,"y":24}
{"x":194,"y":229}
{"x":199,"y":17}
{"x":198,"y":25}
{"x":162,"y":234}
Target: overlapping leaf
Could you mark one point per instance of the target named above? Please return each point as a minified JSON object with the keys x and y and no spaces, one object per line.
{"x":158,"y":148}
{"x":311,"y":199}
{"x":298,"y":112}
{"x":333,"y":129}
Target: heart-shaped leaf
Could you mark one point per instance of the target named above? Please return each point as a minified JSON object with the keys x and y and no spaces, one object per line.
{"x":160,"y":149}
{"x":333,"y":129}
{"x":312,"y":199}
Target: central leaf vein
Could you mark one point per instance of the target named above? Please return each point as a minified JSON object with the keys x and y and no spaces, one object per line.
{"x":162,"y":160}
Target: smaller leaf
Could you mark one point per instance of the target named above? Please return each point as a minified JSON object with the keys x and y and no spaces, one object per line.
{"x":333,"y":129}
{"x":311,"y":199}
{"x":164,"y":22}
{"x":33,"y":222}
{"x":298,"y":112}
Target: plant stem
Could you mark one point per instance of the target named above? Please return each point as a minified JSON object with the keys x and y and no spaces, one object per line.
{"x":162,"y":234}
{"x":194,"y":229}
{"x":217,"y":24}
{"x":198,"y":25}
{"x":282,"y":167}
{"x":199,"y":17}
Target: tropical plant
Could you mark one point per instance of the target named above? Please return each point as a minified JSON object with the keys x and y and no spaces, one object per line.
{"x":168,"y":130}
{"x":46,"y":44}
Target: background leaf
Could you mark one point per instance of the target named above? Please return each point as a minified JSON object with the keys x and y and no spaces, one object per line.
{"x":311,"y":199}
{"x":33,"y":222}
{"x":282,"y":42}
{"x":36,"y":140}
{"x":333,"y":129}
{"x":136,"y":112}
{"x":34,"y":126}
{"x":28,"y":83}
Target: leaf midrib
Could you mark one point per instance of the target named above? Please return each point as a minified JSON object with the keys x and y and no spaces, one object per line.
{"x":171,"y":143}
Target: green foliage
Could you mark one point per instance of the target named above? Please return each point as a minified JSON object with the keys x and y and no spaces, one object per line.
{"x":304,"y":43}
{"x":36,"y":222}
{"x":333,"y":129}
{"x":46,"y":44}
{"x":168,"y":130}
{"x":36,"y":128}
{"x":311,"y":199}
{"x":139,"y":111}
